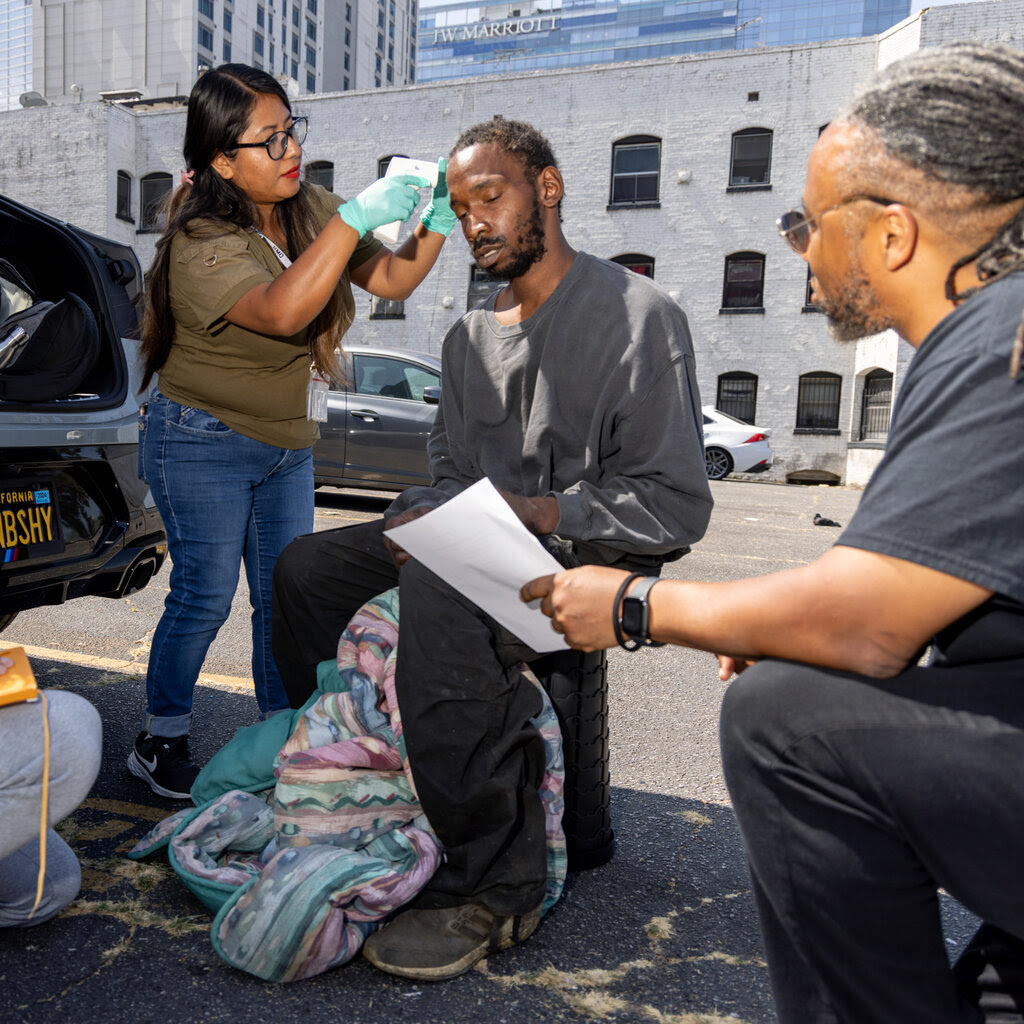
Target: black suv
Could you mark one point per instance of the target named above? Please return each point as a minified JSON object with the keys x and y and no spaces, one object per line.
{"x":75,"y":518}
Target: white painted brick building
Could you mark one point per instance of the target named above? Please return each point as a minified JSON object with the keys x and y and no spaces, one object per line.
{"x":65,"y":161}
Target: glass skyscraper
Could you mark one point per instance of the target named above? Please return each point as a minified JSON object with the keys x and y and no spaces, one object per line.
{"x":15,"y":51}
{"x":468,"y":38}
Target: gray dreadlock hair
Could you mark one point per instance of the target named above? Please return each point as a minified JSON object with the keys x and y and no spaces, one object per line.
{"x":955,"y":113}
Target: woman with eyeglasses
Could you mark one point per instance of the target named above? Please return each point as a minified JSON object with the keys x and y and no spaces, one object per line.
{"x":248,"y":296}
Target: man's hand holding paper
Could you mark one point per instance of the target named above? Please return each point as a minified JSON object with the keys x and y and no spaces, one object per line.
{"x":476,"y":543}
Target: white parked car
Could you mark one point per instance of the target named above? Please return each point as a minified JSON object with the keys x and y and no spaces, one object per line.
{"x":732,"y":446}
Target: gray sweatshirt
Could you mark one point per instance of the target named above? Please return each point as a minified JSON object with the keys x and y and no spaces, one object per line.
{"x":592,"y":400}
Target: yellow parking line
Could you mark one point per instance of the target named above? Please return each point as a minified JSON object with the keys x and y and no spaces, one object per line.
{"x":137,"y":668}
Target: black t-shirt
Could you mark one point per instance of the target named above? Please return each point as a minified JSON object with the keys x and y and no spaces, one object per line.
{"x":949,"y":493}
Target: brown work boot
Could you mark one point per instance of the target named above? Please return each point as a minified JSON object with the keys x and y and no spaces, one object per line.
{"x":434,"y":945}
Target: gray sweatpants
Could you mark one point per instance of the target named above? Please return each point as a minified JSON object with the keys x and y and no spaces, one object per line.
{"x":75,"y":746}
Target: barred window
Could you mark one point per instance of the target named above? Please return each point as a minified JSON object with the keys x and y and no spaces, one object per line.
{"x":744,"y":281}
{"x":876,"y":406}
{"x":737,"y":395}
{"x":817,"y":403}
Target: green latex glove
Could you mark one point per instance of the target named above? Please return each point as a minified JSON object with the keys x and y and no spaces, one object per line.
{"x":438,"y":216}
{"x":386,"y":200}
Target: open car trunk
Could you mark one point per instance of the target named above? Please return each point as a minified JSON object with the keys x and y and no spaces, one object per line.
{"x":57,"y":260}
{"x":75,"y":519}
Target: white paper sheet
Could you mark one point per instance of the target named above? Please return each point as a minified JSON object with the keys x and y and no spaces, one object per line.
{"x":476,"y":544}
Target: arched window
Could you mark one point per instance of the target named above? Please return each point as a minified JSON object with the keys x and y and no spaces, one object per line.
{"x":751,"y":162}
{"x":155,"y":188}
{"x":321,"y":172}
{"x":737,"y":395}
{"x":817,"y":403}
{"x":124,"y":196}
{"x":875,"y":406}
{"x":744,"y":282}
{"x":636,"y":168}
{"x":637,"y":262}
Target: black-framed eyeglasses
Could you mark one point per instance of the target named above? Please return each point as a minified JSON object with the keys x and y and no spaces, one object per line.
{"x":277,"y":144}
{"x":796,"y":227}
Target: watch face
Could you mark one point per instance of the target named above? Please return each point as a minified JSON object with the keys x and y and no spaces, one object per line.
{"x":633,"y":618}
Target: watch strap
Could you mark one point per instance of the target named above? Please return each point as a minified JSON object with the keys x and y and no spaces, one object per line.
{"x":630,"y":645}
{"x":632,"y":642}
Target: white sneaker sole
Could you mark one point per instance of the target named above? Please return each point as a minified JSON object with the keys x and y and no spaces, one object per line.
{"x":138,"y":769}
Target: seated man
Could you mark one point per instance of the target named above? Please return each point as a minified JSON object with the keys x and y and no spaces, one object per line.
{"x":862,"y":782}
{"x":74,"y":762}
{"x":573,"y":390}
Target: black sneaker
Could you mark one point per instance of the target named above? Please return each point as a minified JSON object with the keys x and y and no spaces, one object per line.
{"x":165,"y":764}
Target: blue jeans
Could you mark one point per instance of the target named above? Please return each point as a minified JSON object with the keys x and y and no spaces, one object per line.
{"x":225,"y":499}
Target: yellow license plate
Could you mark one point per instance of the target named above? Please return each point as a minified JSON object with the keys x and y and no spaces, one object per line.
{"x":29,"y":520}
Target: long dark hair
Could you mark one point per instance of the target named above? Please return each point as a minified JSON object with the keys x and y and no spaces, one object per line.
{"x":219,"y":108}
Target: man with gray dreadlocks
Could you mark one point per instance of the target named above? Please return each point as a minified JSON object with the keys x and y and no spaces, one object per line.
{"x":863,"y":781}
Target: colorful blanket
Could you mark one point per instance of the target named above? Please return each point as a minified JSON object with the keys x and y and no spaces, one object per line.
{"x":308,"y":831}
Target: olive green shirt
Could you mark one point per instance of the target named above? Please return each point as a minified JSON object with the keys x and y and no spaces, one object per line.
{"x":254,"y":383}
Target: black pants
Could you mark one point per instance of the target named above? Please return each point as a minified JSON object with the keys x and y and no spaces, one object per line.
{"x":857,"y":799}
{"x":476,"y":759}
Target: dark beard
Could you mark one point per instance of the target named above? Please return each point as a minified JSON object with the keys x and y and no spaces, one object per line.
{"x":853,"y":314}
{"x":529,"y":251}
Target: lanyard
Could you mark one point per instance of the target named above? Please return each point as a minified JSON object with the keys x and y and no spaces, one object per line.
{"x":278,"y":251}
{"x":317,"y":388}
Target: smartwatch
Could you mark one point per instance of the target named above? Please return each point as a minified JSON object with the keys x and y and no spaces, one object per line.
{"x":634,"y":619}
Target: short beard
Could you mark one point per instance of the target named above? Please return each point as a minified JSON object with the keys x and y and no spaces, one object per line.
{"x":530,"y":250}
{"x":853,"y":312}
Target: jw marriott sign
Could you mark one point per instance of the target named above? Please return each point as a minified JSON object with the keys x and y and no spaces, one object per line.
{"x":488,"y":30}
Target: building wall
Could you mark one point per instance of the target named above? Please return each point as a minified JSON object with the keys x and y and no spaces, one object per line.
{"x":64,"y":160}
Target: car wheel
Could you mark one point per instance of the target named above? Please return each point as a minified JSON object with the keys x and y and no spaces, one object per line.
{"x":718,"y":462}
{"x":6,"y":618}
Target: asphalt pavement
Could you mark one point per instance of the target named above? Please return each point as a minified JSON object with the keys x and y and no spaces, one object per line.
{"x":665,"y":933}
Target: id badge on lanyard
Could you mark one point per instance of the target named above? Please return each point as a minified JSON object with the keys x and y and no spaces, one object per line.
{"x":317,"y":387}
{"x":316,"y":397}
